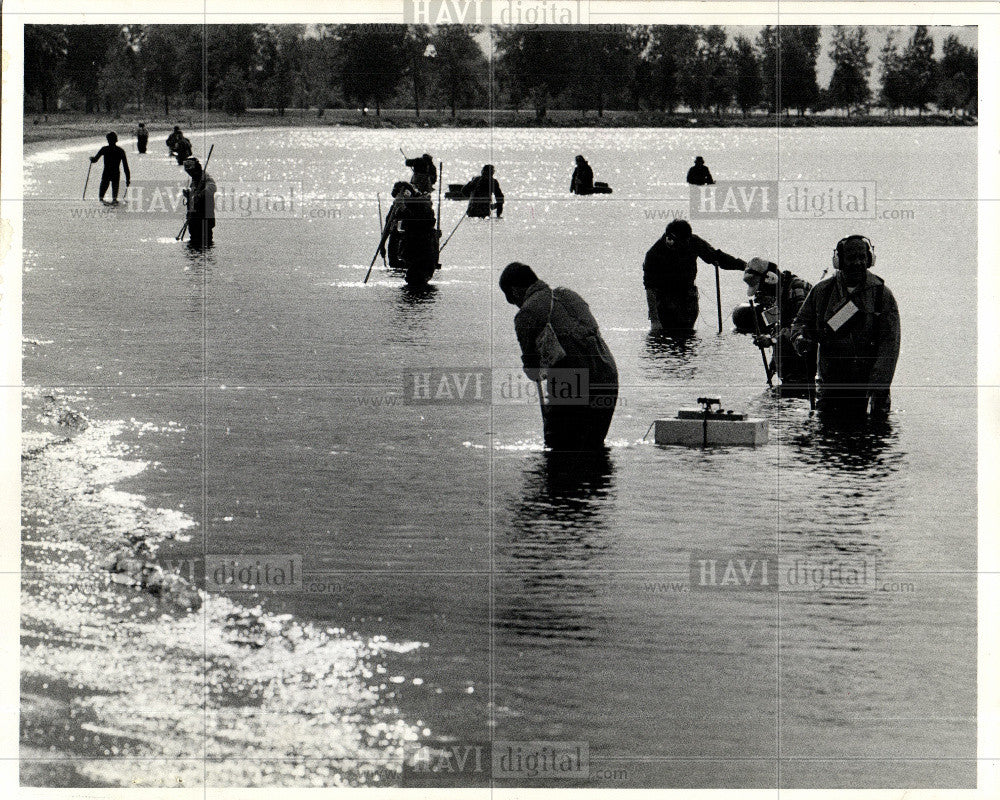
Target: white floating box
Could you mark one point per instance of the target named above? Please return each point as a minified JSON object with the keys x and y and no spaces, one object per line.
{"x":691,"y":429}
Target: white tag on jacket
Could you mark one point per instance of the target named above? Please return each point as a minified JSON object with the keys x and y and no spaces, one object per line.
{"x":842,"y":315}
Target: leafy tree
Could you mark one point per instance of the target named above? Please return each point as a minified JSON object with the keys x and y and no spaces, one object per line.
{"x":535,"y":63}
{"x":748,"y":85}
{"x":671,"y":50}
{"x":44,"y":57}
{"x":160,"y":54}
{"x":86,"y":49}
{"x":958,"y":77}
{"x":117,"y":79}
{"x":849,"y":82}
{"x":788,"y":65}
{"x":603,"y":65}
{"x":919,"y":70}
{"x":893,"y":92}
{"x":372,"y":60}
{"x":232,"y":92}
{"x":461,"y":65}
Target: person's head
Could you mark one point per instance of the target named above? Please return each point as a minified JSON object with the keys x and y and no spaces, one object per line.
{"x":853,"y":255}
{"x":515,"y":280}
{"x":177,"y":128}
{"x":581,"y":160}
{"x":699,"y":160}
{"x":677,"y":233}
{"x":761,"y":276}
{"x":142,"y":124}
{"x":192,"y":167}
{"x":403,"y":189}
{"x":427,"y":157}
{"x":488,"y":171}
{"x":112,"y":137}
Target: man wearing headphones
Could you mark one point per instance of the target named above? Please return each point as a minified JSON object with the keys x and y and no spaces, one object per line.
{"x":854,"y":320}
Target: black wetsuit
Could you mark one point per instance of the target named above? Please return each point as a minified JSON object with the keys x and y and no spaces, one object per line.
{"x":114,"y":158}
{"x":201,"y":210}
{"x":699,"y":175}
{"x":582,"y":181}
{"x":479,"y":191}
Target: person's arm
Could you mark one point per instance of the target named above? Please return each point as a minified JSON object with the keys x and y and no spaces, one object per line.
{"x":690,"y":176}
{"x":708,"y":177}
{"x":469,"y":187}
{"x":887,"y":353}
{"x":128,"y":176}
{"x":649,"y":269}
{"x":725,"y":261}
{"x":527,"y":335}
{"x":95,"y":159}
{"x":499,"y":196}
{"x":572,"y":181}
{"x":804,"y":326}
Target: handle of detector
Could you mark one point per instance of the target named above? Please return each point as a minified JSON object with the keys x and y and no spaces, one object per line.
{"x":763,"y":355}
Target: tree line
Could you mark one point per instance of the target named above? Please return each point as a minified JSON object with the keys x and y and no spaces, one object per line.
{"x":664,"y":68}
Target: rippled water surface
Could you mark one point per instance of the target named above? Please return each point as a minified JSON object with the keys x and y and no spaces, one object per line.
{"x":465,"y":584}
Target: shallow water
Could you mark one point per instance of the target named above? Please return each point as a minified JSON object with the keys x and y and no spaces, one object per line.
{"x":553,"y":601}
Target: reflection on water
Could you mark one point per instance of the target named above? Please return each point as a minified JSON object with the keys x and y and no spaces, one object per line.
{"x":672,"y":354}
{"x":416,"y":296}
{"x":550,"y":565}
{"x":866,"y":446}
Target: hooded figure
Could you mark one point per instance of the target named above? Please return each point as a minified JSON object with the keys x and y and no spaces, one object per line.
{"x":579,"y":371}
{"x":173,"y":137}
{"x":853,"y":319}
{"x":114,"y":157}
{"x":182,"y":148}
{"x":412,"y":236}
{"x":200,"y":198}
{"x":141,"y":137}
{"x":699,"y":175}
{"x":481,"y":190}
{"x":777,"y":297}
{"x":669,"y":271}
{"x":582,"y":181}
{"x":424,"y":173}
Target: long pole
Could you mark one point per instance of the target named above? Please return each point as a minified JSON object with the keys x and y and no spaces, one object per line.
{"x":452,"y":232}
{"x":204,"y":174}
{"x":381,"y":225}
{"x":763,"y":355}
{"x":718,"y":296}
{"x":381,"y":244}
{"x":88,"y":180}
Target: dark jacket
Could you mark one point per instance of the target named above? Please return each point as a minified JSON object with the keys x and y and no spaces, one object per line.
{"x":201,"y":200}
{"x":699,"y":175}
{"x":142,"y":134}
{"x":172,"y":139}
{"x":582,"y":181}
{"x":182,"y":147}
{"x":674,"y":269}
{"x":113,"y":156}
{"x":575,"y":327}
{"x":425,"y":174}
{"x":792,"y":294}
{"x":865,"y":349}
{"x":479,"y":191}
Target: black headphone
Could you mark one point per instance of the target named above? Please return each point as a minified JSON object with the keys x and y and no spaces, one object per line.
{"x":838,"y":251}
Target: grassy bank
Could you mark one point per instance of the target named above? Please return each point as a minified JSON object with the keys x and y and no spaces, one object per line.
{"x":71,"y":125}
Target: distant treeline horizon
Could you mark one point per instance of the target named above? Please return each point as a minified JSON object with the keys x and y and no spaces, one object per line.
{"x":658,"y":68}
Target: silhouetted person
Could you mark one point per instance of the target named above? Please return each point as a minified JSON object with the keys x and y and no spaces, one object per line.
{"x":425,"y":174}
{"x":114,"y":157}
{"x":481,"y":190}
{"x":699,"y":175}
{"x":582,"y":181}
{"x":141,"y":138}
{"x":200,"y":197}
